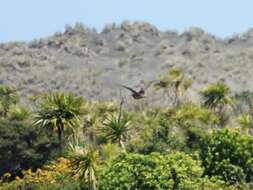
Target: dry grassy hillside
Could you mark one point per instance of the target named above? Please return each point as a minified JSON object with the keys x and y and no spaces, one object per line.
{"x":90,"y":63}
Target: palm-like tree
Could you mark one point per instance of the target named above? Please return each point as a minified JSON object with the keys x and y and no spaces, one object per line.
{"x":176,"y":81}
{"x":116,"y":127}
{"x":216,"y":96}
{"x":84,"y":163}
{"x":8,"y":97}
{"x":58,"y":111}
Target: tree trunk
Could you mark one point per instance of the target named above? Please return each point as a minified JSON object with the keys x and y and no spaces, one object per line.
{"x":60,"y":131}
{"x":94,"y":186}
{"x":122,"y":145}
{"x":92,"y":182}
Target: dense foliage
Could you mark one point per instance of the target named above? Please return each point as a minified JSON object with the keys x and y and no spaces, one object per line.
{"x":23,"y":147}
{"x":63,"y":142}
{"x":228,"y":154}
{"x":134,"y":171}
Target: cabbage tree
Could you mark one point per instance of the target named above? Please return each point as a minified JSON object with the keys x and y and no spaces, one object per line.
{"x":58,"y":112}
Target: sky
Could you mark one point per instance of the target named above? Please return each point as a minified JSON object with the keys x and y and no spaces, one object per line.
{"x":24,"y":20}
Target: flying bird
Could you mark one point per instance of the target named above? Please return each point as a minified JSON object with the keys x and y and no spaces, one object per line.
{"x":136,"y":94}
{"x":139,"y":94}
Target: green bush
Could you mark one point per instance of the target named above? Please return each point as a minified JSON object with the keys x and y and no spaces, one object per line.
{"x":228,"y":154}
{"x":66,"y":184}
{"x":22,"y":147}
{"x":134,"y":171}
{"x":172,"y":129}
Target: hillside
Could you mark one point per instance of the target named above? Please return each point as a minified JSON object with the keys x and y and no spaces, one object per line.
{"x":89,"y":63}
{"x":172,"y":137}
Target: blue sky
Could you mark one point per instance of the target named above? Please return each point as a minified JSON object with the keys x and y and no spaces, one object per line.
{"x":28,"y":19}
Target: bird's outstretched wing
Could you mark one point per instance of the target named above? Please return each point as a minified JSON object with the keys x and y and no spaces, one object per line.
{"x":128,"y":88}
{"x":150,"y":83}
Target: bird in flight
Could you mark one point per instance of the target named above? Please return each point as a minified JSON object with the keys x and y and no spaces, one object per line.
{"x":139,"y":94}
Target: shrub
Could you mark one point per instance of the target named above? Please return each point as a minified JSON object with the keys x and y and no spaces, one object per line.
{"x":228,"y":154}
{"x":22,"y":147}
{"x":171,"y":129}
{"x":134,"y":171}
{"x":54,"y":176}
{"x":8,"y":97}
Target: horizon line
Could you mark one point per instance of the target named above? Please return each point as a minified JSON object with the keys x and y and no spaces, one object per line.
{"x":99,"y":30}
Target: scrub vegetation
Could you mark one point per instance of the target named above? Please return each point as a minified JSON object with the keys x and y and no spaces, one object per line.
{"x":72,"y":127}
